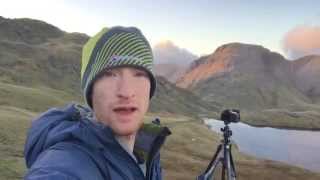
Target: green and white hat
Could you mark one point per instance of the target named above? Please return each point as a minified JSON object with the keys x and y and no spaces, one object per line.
{"x":115,"y":47}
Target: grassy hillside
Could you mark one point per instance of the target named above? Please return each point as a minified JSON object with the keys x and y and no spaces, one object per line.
{"x":305,"y":116}
{"x":174,"y":100}
{"x":245,"y":91}
{"x":18,"y":106}
{"x":273,"y":104}
{"x":33,"y":99}
{"x":52,"y":64}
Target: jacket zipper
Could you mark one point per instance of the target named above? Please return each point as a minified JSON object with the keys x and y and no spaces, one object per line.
{"x":156,"y":145}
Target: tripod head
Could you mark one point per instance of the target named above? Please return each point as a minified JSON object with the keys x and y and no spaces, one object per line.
{"x":229,"y":116}
{"x":227,"y":133}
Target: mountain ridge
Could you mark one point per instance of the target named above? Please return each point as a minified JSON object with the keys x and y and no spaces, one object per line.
{"x":245,"y":71}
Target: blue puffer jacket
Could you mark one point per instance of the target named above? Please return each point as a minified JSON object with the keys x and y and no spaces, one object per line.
{"x":65,"y":144}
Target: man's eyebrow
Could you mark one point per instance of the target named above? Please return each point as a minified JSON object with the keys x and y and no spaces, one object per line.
{"x":140,"y":70}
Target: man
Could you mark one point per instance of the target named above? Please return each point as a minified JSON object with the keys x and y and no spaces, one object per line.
{"x":108,"y":140}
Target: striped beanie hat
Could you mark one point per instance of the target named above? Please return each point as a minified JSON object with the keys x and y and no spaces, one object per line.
{"x":115,"y":47}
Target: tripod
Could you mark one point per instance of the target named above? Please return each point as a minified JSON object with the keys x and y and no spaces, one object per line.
{"x":223,"y":155}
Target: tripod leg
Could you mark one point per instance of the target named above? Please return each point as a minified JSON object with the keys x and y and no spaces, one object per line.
{"x":229,"y":163}
{"x":223,"y":173}
{"x":213,"y":164}
{"x":233,"y":169}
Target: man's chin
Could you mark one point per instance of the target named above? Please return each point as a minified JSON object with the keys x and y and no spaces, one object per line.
{"x":126,"y":131}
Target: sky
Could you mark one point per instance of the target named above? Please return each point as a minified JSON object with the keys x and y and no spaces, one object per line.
{"x":289,"y":27}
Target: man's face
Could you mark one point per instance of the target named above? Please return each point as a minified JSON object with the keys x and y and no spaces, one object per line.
{"x":120,"y":99}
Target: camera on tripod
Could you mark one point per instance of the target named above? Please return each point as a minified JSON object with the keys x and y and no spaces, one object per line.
{"x":230,"y":116}
{"x":223,"y":154}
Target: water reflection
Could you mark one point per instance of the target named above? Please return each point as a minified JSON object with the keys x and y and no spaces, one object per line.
{"x":301,"y":148}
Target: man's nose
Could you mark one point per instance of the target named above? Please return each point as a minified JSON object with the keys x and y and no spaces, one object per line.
{"x":125,"y":88}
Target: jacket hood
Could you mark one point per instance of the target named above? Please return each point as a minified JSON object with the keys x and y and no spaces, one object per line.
{"x":76,"y":123}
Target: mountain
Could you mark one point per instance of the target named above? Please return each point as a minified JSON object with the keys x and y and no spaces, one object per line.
{"x":237,"y":58}
{"x":307,"y":76}
{"x":245,"y":76}
{"x":34,"y":53}
{"x":27,"y":30}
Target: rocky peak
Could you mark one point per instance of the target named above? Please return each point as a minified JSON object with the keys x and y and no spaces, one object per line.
{"x":235,"y":57}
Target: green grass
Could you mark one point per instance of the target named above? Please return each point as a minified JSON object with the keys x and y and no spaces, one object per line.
{"x":33,"y":99}
{"x":290,"y":118}
{"x":54,"y":64}
{"x":14,"y":123}
{"x":250,"y":92}
{"x":18,"y":106}
{"x":173,"y":100}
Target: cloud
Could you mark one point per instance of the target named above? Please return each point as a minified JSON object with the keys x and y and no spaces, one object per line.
{"x":301,"y":41}
{"x":166,"y":52}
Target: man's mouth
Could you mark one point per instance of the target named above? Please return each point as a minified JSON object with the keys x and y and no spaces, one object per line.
{"x":124,"y":110}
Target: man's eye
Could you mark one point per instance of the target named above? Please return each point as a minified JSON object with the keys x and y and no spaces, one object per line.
{"x":109,"y":74}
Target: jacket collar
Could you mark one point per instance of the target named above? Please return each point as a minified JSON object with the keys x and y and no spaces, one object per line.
{"x":148,"y":141}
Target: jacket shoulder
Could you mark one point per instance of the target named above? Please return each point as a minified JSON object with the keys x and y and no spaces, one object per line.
{"x":65,"y":161}
{"x":50,"y":127}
